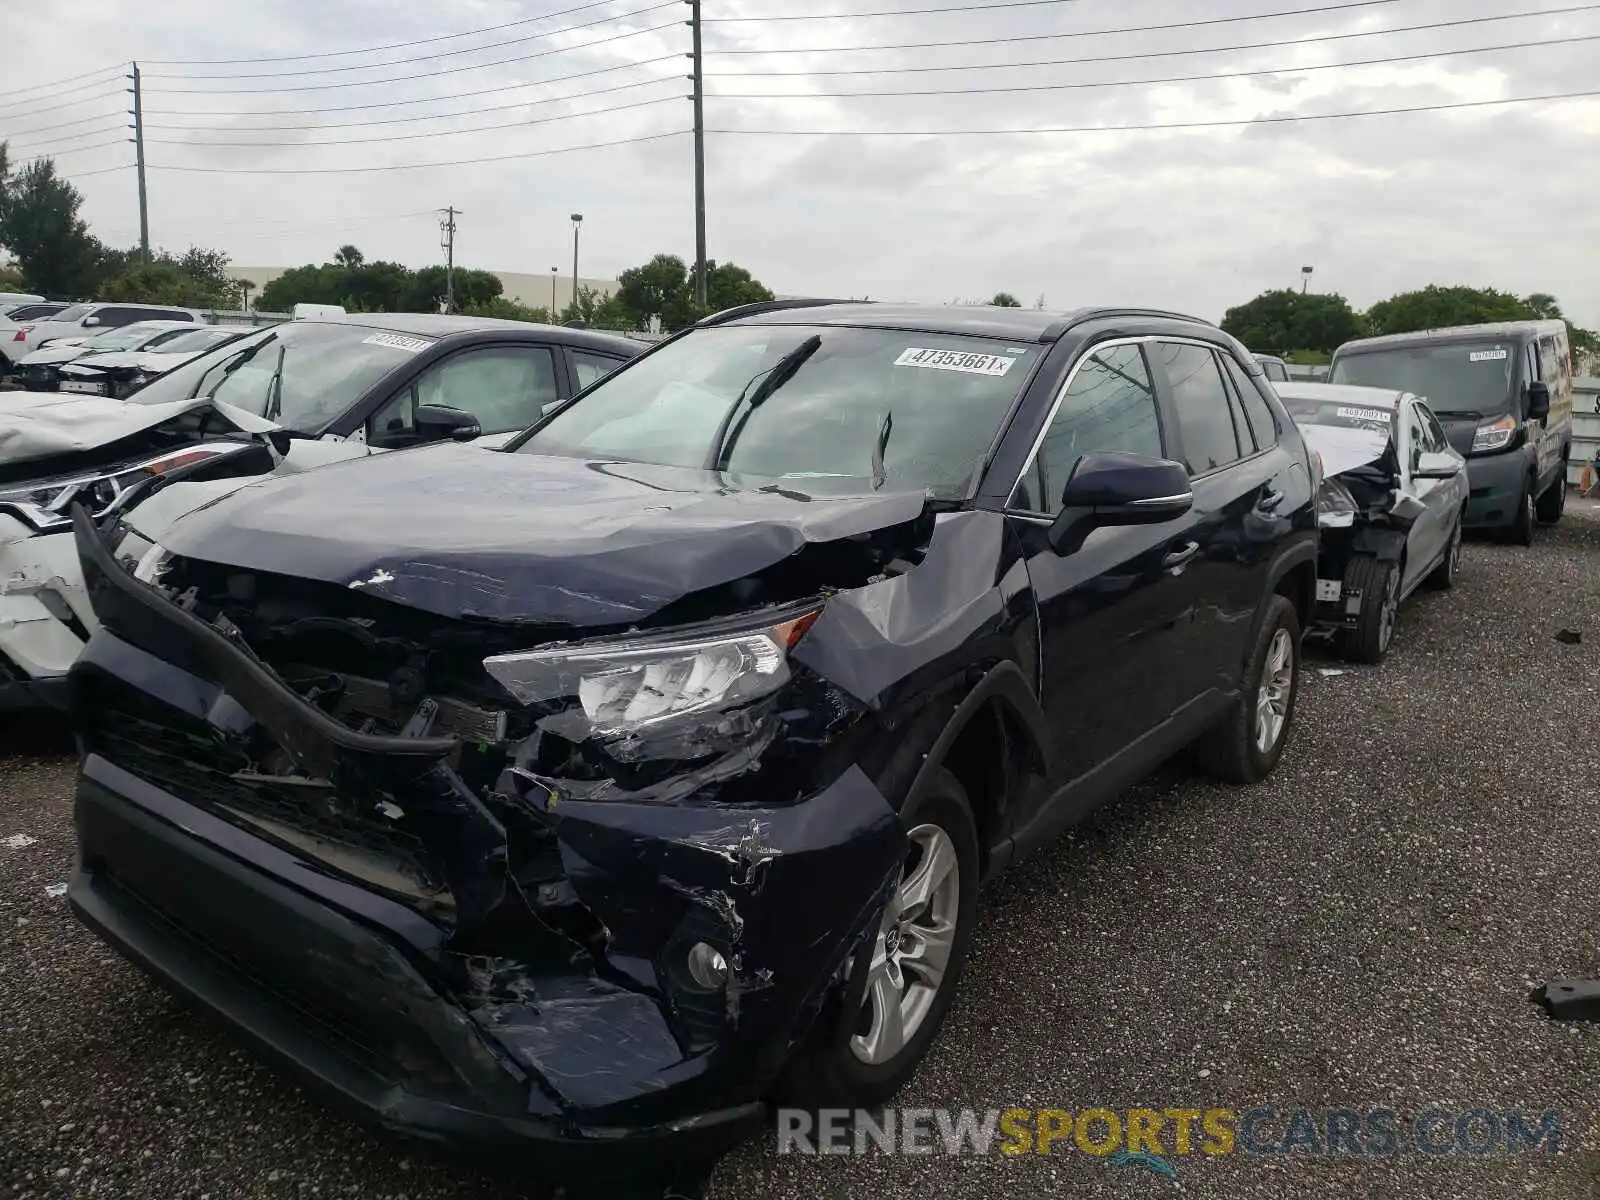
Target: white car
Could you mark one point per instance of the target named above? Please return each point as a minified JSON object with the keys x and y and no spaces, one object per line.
{"x":86,"y":320}
{"x":336,"y":390}
{"x":40,"y":371}
{"x":117,"y":373}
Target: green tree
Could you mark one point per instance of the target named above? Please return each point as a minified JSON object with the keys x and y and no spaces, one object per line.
{"x":197,"y":278}
{"x":40,"y":226}
{"x":349,"y":257}
{"x":656,"y":291}
{"x":1434,"y":307}
{"x":1543,"y":306}
{"x":1278,"y":322}
{"x":728,"y":286}
{"x":1005,"y":300}
{"x":508,"y":310}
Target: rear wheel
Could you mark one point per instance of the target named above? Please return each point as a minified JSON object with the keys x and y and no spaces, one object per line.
{"x":1554,"y":501}
{"x":1378,"y":582}
{"x":862,"y":1057}
{"x":1449,"y":569}
{"x":1521,"y":531}
{"x":1246,"y":745}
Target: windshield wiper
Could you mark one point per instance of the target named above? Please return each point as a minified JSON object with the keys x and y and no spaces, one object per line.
{"x":227,"y":371}
{"x":777,"y":375}
{"x":880,"y":475}
{"x":274,"y":403}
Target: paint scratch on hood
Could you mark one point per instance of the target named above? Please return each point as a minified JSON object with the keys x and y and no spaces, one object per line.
{"x":377,"y":579}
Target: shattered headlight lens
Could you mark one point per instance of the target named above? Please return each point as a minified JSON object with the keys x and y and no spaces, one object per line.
{"x":1336,"y":507}
{"x":632,"y":684}
{"x":1495,"y":436}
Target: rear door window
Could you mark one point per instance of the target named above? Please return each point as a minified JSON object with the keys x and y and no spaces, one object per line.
{"x":115,"y":317}
{"x":589,"y":367}
{"x":1263,"y":425}
{"x":1201,"y":402}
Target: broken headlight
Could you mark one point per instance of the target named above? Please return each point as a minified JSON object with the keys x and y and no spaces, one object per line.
{"x":670,"y":684}
{"x":99,"y":492}
{"x":1336,"y":507}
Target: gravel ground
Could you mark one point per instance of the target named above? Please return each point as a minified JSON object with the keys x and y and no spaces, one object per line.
{"x":1362,"y":930}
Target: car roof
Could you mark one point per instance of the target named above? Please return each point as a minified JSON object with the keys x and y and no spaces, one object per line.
{"x":158,"y":324}
{"x":442,"y":325}
{"x":1454,"y":333}
{"x":977,"y":320}
{"x":1341,"y":393}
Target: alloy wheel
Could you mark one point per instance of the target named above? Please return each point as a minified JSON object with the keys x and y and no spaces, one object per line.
{"x":1390,"y":611}
{"x":911,"y":954}
{"x":1272,"y":697}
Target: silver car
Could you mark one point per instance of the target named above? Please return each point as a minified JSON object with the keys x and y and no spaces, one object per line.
{"x":1390,"y":507}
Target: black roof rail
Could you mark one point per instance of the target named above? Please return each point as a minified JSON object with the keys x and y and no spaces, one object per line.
{"x":766,"y":306}
{"x":1058,"y":330}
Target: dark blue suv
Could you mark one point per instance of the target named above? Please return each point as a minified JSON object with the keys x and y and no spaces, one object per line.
{"x":582,"y":795}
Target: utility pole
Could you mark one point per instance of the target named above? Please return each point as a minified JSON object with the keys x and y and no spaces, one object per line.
{"x":577,"y":224}
{"x":138,"y":156}
{"x":699,"y":160}
{"x":447,"y":228}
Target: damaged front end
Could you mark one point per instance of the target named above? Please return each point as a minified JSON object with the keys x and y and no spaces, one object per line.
{"x":598,"y":888}
{"x":1361,"y":513}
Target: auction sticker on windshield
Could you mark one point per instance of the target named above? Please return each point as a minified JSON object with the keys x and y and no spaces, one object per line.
{"x":1365,"y":414}
{"x":955,"y":360}
{"x":1487,"y":355}
{"x":398,"y":341}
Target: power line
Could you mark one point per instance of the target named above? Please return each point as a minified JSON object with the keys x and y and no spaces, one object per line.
{"x":505,"y":87}
{"x":23,"y":116}
{"x":959,"y":9}
{"x":400,"y":62}
{"x":112,"y":116}
{"x":1274,"y":120}
{"x":621,"y":87}
{"x":35,"y":93}
{"x":428,"y":41}
{"x":321,"y":87}
{"x":1143,"y":54}
{"x":406,"y":137}
{"x":1112,"y":83}
{"x":1070,"y":33}
{"x":76,"y":175}
{"x":465,"y":162}
{"x":68,"y":137}
{"x":119,"y":141}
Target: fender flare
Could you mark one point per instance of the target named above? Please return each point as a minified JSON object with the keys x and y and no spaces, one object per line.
{"x":1005,"y":684}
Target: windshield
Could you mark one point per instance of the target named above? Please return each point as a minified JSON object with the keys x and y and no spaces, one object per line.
{"x":884,"y":407}
{"x":1340,"y":414}
{"x":126,"y":338}
{"x":326,"y":368}
{"x":1470,"y":377}
{"x":195,"y":341}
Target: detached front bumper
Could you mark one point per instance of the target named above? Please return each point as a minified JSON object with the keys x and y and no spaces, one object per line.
{"x":45,"y":615}
{"x":527,"y":997}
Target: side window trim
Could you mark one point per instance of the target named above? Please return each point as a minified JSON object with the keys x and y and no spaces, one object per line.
{"x":1240,"y":379}
{"x":1060,"y":397}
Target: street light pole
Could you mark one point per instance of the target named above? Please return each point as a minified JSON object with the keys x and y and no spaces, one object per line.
{"x":577,"y":224}
{"x":554,"y":271}
{"x":1305,"y":279}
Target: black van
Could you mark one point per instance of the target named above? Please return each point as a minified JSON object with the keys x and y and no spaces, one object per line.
{"x":1504,"y":395}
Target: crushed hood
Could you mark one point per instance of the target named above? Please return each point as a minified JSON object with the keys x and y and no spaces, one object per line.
{"x":42,"y":425}
{"x":1344,"y":449}
{"x":461,"y":532}
{"x":139,"y":360}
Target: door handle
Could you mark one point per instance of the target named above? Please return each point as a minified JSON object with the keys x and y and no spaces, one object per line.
{"x":1180,"y":558}
{"x":1271,"y":497}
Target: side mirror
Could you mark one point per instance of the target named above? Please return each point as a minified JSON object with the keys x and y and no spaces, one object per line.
{"x":1114,"y":488}
{"x":439,"y":421}
{"x":1538,"y":400}
{"x":1434,"y":464}
{"x":90,"y":322}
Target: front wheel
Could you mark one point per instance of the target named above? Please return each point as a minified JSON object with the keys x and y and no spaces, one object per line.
{"x":1377,"y":581}
{"x":1246,"y":745}
{"x":864,"y":1056}
{"x":1521,"y":531}
{"x":1554,"y":501}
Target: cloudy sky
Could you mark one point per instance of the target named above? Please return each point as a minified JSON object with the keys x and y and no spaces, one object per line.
{"x":923,"y":197}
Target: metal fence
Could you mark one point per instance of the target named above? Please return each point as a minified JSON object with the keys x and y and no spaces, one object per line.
{"x":1585,"y":425}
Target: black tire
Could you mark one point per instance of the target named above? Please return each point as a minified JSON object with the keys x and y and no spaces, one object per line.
{"x":1444,"y":576}
{"x":826,"y":1072}
{"x":1553,"y":503}
{"x":1378,"y":581}
{"x":1521,"y":531}
{"x":1231,"y":750}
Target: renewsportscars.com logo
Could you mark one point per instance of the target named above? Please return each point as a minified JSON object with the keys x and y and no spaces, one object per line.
{"x":1152,"y":1139}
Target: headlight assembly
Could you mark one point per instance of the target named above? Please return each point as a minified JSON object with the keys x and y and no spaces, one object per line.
{"x":1496,"y":436}
{"x":675,"y":685}
{"x":99,"y":492}
{"x":1336,"y":507}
